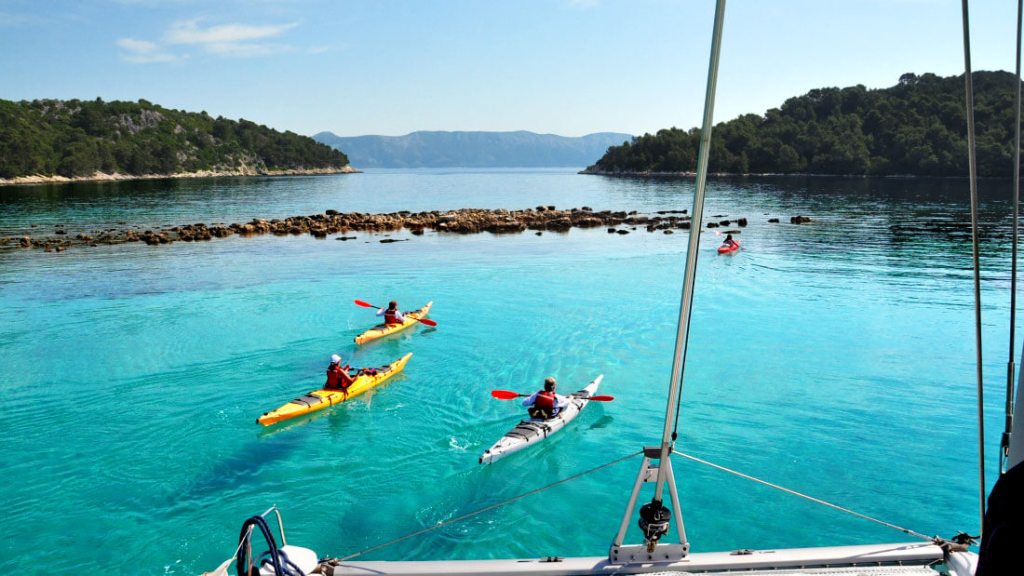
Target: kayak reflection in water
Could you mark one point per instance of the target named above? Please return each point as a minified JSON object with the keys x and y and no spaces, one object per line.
{"x":545,"y":403}
{"x":338,"y":377}
{"x":391,"y":314}
{"x":729,"y":241}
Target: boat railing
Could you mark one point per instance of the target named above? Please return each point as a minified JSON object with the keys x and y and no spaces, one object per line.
{"x":245,"y":540}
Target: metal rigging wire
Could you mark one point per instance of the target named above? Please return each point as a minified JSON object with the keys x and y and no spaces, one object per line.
{"x":973,"y":171}
{"x":805,"y":496}
{"x":487,"y":508}
{"x":1004,"y":444}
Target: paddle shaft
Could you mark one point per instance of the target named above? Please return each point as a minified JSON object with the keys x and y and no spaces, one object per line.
{"x":510,"y":395}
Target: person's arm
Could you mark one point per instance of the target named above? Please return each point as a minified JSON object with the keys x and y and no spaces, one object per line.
{"x":380,"y":312}
{"x":563,"y":401}
{"x":399,"y":316}
{"x":346,"y":378}
{"x":529,"y":401}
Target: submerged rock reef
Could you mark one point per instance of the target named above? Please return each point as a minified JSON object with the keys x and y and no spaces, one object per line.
{"x":464,"y":221}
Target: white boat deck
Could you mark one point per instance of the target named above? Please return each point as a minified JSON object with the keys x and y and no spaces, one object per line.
{"x":881,"y":559}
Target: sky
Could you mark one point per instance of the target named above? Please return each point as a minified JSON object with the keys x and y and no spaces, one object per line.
{"x":567,"y":67}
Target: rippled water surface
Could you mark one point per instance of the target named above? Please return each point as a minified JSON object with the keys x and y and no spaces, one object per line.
{"x":835,"y":358}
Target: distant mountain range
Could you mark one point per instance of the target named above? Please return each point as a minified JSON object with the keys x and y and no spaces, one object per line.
{"x":473,"y":149}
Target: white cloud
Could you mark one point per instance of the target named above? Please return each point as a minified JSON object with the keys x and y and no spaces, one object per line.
{"x":190,"y":32}
{"x":143,"y":51}
{"x":233,"y":40}
{"x":244,"y":49}
{"x":138,"y":46}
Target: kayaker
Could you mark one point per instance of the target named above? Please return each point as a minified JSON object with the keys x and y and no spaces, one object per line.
{"x":391,"y":314}
{"x":338,"y":377}
{"x":545,"y":403}
{"x":729,"y":241}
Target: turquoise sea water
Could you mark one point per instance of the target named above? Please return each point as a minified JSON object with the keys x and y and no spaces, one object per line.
{"x":835,"y":358}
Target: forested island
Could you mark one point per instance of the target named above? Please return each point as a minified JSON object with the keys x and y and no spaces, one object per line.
{"x":917,"y":127}
{"x":55,"y":139}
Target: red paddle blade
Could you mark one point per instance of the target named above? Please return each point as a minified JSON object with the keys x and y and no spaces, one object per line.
{"x":427,"y":321}
{"x":364,"y":304}
{"x":505,"y":394}
{"x":601,"y":398}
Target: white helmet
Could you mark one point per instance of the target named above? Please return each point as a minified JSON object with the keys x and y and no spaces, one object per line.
{"x":335,"y":359}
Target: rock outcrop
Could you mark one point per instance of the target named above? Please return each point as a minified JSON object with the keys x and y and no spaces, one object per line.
{"x":466,"y":221}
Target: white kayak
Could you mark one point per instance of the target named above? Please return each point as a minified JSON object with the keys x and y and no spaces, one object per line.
{"x":529,"y":432}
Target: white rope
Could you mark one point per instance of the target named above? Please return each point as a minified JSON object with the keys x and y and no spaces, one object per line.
{"x":222,"y":569}
{"x":805,"y":496}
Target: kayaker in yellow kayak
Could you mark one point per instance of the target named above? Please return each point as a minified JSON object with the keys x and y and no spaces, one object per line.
{"x":545,"y":403}
{"x":338,"y":377}
{"x":391,"y":314}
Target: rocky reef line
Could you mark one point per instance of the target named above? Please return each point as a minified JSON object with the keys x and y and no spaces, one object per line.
{"x":465,"y":221}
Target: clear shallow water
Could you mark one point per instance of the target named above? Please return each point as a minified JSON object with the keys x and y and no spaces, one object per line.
{"x":834,"y":358}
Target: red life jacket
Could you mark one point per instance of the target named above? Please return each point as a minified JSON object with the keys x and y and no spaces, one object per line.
{"x":545,"y":401}
{"x":391,"y":317}
{"x":337,"y":377}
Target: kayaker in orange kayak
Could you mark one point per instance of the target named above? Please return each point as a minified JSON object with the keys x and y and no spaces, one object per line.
{"x":391,"y":314}
{"x":729,"y":241}
{"x":545,"y":403}
{"x":338,"y":377}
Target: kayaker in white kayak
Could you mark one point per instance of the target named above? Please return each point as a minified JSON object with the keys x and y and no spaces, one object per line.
{"x":545,"y":403}
{"x":391,"y":314}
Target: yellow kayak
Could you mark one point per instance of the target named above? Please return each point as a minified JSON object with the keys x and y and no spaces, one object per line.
{"x":320,"y":399}
{"x":384,"y":329}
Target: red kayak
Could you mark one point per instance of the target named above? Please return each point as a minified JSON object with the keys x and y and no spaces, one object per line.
{"x":729,"y":249}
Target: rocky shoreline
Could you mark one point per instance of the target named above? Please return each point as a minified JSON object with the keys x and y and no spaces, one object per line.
{"x":654,"y":174}
{"x":242,"y":171}
{"x":332,"y":222}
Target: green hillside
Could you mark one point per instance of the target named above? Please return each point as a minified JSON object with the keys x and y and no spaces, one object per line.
{"x":917,"y":127}
{"x":78,"y":138}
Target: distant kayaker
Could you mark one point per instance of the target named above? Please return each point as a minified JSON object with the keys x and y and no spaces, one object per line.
{"x":338,"y":377}
{"x":729,"y":241}
{"x":391,"y":314}
{"x":545,"y":403}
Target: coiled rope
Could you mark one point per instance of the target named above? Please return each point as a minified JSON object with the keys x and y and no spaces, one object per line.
{"x":274,"y":556}
{"x":805,"y":496}
{"x":488,"y":508}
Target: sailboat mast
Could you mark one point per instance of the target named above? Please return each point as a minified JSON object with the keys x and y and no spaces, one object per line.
{"x":686,"y":303}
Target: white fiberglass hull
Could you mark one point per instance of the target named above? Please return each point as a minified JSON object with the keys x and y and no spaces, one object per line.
{"x":877,"y":559}
{"x":529,"y":432}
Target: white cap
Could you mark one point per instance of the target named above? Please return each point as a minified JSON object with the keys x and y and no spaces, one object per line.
{"x":335,"y":359}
